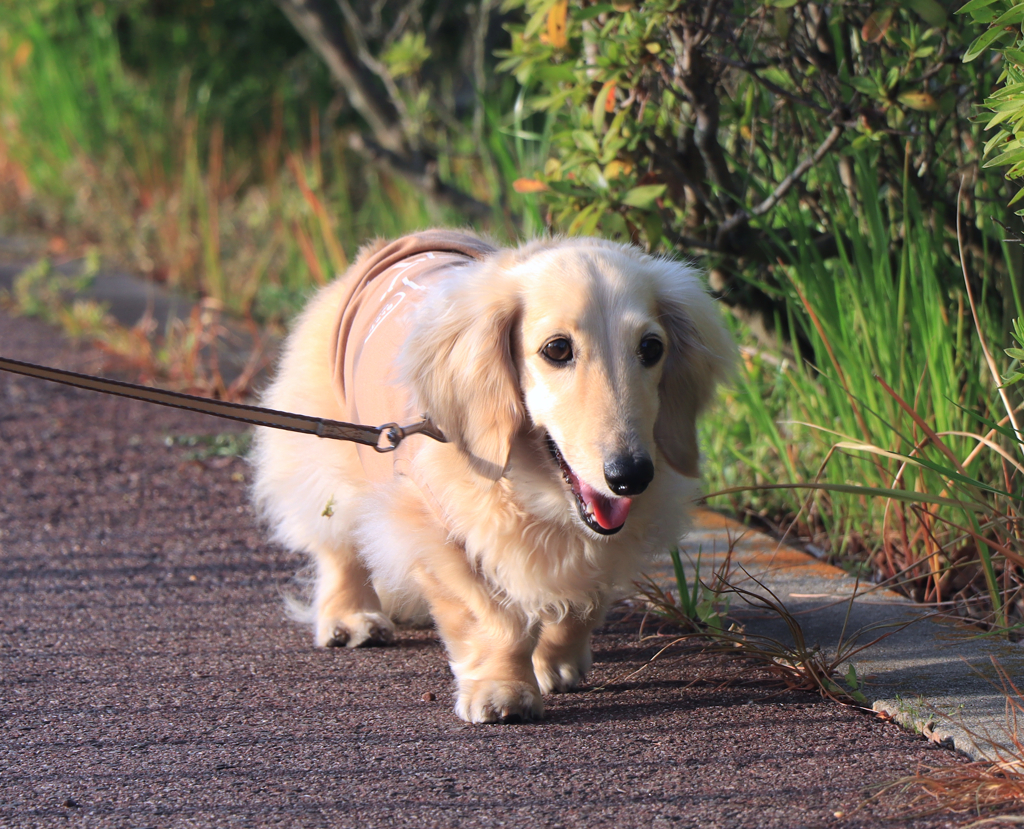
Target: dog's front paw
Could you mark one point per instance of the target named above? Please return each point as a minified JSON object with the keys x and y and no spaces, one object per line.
{"x":493,"y":700}
{"x":364,"y":628}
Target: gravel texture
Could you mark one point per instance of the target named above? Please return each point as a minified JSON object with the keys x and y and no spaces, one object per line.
{"x":149,"y":676}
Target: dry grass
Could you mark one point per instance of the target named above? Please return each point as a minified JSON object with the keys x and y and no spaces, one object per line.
{"x":800,"y":666}
{"x":184,"y":357}
{"x":981,"y":788}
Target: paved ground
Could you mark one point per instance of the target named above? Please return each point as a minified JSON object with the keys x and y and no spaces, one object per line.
{"x":936,"y":675}
{"x":148,"y":676}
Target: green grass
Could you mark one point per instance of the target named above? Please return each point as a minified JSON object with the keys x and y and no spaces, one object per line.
{"x":896,"y":355}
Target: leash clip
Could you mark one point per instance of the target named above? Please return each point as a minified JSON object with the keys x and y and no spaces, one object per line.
{"x":395,"y":434}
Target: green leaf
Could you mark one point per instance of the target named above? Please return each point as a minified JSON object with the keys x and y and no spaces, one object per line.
{"x":974,"y":4}
{"x":782,"y":23}
{"x":928,"y":10}
{"x":578,"y":225}
{"x":601,"y":8}
{"x":865,"y":85}
{"x":566,"y":188}
{"x":1013,"y":16}
{"x":586,"y":141}
{"x":1011,"y":157}
{"x":406,"y":55}
{"x":643,"y":197}
{"x":653,"y":228}
{"x":995,"y":121}
{"x":982,"y":43}
{"x":892,"y":77}
{"x":600,"y":105}
{"x":538,"y":19}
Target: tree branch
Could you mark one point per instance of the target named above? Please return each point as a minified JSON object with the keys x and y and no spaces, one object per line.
{"x":693,"y":75}
{"x":379,"y":69}
{"x":319,"y":23}
{"x":391,"y":143}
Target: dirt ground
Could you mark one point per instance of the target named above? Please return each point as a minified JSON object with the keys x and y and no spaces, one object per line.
{"x":149,"y":676}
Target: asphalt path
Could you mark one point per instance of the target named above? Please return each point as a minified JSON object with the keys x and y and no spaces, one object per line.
{"x":150,"y":677}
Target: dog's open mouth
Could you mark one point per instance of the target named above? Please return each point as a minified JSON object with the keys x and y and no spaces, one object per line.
{"x":604,"y":514}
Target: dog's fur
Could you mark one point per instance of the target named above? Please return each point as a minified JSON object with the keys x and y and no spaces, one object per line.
{"x":512,"y":576}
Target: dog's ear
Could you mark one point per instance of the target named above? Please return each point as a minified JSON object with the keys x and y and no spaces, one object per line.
{"x":700,"y":354}
{"x":458,"y":360}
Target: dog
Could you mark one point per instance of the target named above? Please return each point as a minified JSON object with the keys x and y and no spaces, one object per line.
{"x":566,"y":376}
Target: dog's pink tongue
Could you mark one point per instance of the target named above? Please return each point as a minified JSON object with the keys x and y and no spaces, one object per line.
{"x":610,"y":513}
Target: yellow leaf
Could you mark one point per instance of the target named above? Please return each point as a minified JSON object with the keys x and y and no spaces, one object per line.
{"x":617,"y":168}
{"x":22,"y":54}
{"x":528,"y":185}
{"x":918,"y":100}
{"x":557,"y":18}
{"x":653,"y":47}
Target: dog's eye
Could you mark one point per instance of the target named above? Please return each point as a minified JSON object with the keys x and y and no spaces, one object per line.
{"x":650,"y":351}
{"x":559,"y":350}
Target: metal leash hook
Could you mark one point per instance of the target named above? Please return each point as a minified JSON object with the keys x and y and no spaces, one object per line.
{"x":395,"y":434}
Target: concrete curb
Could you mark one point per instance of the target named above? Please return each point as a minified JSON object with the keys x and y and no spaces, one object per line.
{"x":933,"y":676}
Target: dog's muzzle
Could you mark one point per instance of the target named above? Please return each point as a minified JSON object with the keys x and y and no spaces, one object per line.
{"x":603,"y":514}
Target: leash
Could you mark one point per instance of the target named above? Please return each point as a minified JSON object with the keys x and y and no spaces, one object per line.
{"x":384,"y":438}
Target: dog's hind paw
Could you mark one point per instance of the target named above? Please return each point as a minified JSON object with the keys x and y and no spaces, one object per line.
{"x":560,"y":671}
{"x":557,"y":679}
{"x":356,"y":630}
{"x":498,"y":701}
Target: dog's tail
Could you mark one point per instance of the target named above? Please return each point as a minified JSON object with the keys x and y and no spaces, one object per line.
{"x":297,"y":597}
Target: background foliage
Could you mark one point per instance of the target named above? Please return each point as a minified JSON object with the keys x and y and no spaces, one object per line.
{"x":682,"y":126}
{"x":812,"y":156}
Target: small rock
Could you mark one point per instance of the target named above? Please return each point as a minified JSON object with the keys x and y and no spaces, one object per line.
{"x":71,"y":803}
{"x":428,"y":697}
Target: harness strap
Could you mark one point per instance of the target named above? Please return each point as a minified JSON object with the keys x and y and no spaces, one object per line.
{"x":384,"y":438}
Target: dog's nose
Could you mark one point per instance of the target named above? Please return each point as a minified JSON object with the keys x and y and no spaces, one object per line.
{"x":629,"y":474}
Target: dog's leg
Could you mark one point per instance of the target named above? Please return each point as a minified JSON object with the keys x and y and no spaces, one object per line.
{"x":562,"y":655}
{"x":489,"y":649}
{"x":348,"y":612}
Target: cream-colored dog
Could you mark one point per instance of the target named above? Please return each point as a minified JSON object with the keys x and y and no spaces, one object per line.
{"x":567,"y":376}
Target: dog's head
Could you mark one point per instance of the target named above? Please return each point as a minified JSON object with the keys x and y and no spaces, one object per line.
{"x":605,"y":352}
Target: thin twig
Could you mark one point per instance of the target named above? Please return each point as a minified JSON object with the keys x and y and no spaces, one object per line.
{"x":379,"y":69}
{"x":751,"y":69}
{"x":743,"y":216}
{"x":423,"y":176}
